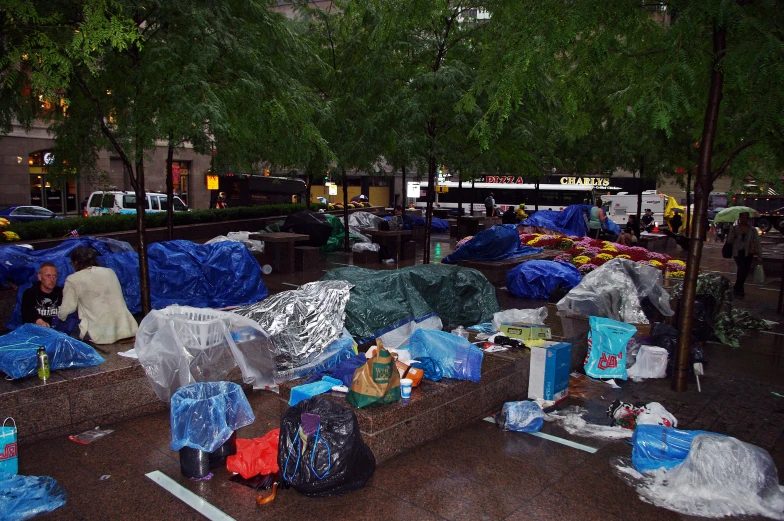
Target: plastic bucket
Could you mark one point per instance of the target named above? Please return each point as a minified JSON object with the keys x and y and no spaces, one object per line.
{"x":195,"y":463}
{"x":9,"y":460}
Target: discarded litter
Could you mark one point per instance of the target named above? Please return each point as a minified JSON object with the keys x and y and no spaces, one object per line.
{"x":24,"y":497}
{"x":87,"y":437}
{"x":571,"y":419}
{"x":520,"y":417}
{"x":105,"y":477}
{"x":628,"y":415}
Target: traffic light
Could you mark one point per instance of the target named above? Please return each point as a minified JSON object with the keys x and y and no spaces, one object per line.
{"x":326,"y":175}
{"x":440,"y":170}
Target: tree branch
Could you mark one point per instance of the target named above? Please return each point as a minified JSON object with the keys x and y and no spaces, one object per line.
{"x":726,"y":163}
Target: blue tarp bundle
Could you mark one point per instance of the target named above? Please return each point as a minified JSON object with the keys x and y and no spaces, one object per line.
{"x":24,"y":497}
{"x":535,"y":279}
{"x":181,"y":272}
{"x":497,"y":243}
{"x":569,"y":221}
{"x":436,"y":224}
{"x":658,"y":447}
{"x":18,"y":351}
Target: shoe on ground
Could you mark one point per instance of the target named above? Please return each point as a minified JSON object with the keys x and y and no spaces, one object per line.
{"x":388,"y":261}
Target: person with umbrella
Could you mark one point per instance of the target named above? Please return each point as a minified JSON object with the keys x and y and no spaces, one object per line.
{"x":745,"y":242}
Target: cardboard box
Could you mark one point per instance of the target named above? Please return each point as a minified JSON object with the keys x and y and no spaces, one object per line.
{"x":526,"y":331}
{"x":550,"y":368}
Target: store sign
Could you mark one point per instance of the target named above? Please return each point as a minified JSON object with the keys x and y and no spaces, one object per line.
{"x":212,"y":182}
{"x":413,"y":191}
{"x":333,"y":189}
{"x":590,"y":181}
{"x":503,"y":179}
{"x":48,"y":158}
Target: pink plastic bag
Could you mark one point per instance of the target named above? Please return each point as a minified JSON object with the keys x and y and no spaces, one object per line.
{"x":256,"y":456}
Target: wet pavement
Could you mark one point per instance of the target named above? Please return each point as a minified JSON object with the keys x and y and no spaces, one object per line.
{"x":477,"y":472}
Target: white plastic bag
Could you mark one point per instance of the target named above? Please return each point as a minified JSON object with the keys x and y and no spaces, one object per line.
{"x":526,"y":316}
{"x":654,"y":413}
{"x":651,"y":363}
{"x":759,"y":275}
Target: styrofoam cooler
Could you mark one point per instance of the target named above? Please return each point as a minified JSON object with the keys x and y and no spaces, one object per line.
{"x":9,"y":459}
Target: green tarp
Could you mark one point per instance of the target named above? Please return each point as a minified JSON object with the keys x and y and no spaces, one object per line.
{"x":335,"y":241}
{"x":383,"y":299}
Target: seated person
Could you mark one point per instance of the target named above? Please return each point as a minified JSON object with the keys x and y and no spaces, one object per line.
{"x":41,"y":302}
{"x":95,"y":292}
{"x":647,"y":220}
{"x":509,"y":216}
{"x":396,"y":222}
{"x":631,"y":233}
{"x":520,"y":212}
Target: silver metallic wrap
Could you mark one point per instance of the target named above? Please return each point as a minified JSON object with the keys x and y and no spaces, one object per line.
{"x":359,"y":220}
{"x":301,"y":323}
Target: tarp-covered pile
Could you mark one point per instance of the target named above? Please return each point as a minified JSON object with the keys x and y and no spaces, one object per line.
{"x":302,"y":323}
{"x":497,"y":243}
{"x":385,"y":301}
{"x":619,"y":289}
{"x":572,"y":220}
{"x":181,"y":272}
{"x":536,"y":279}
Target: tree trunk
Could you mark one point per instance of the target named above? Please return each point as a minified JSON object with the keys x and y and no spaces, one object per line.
{"x":459,"y":201}
{"x":689,"y":223}
{"x":141,"y":235}
{"x":308,"y":184}
{"x":431,"y":192}
{"x":703,"y":188}
{"x":536,"y":196}
{"x":473,"y":194}
{"x":405,"y":190}
{"x":639,"y":189}
{"x":170,"y":192}
{"x":346,"y":243}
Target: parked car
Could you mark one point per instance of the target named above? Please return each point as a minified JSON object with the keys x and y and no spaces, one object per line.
{"x":23,"y":214}
{"x":113,"y":202}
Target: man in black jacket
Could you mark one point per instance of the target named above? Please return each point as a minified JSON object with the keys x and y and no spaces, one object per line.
{"x":41,"y":302}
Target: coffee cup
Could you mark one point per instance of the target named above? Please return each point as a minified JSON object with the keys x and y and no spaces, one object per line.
{"x":405,"y":387}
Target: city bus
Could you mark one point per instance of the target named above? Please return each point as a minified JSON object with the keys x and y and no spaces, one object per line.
{"x":551,"y":196}
{"x":252,"y":190}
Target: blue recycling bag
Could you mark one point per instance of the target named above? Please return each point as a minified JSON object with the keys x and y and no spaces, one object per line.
{"x":18,"y":351}
{"x":522,"y":416}
{"x":455,"y":356}
{"x":658,"y":447}
{"x":607,"y":341}
{"x":204,"y":415}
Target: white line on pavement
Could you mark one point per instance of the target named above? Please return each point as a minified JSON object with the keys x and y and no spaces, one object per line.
{"x":556,"y":439}
{"x":189,"y":498}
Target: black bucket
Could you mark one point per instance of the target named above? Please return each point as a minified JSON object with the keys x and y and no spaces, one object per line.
{"x":195,"y":463}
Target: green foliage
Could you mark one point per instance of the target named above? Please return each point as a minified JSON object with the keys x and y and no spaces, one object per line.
{"x":55,"y":228}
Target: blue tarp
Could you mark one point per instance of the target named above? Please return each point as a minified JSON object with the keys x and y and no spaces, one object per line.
{"x":436,"y":224}
{"x":24,"y":497}
{"x":535,"y":279}
{"x":497,"y":243}
{"x":18,"y":351}
{"x":572,"y":220}
{"x":181,"y":272}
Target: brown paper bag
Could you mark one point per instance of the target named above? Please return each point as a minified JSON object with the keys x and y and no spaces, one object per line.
{"x":375,"y":383}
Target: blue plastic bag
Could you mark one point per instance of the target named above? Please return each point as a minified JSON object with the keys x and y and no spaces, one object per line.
{"x":204,"y":415}
{"x":430,"y":368}
{"x":18,"y":351}
{"x":522,"y":416}
{"x":535,"y":279}
{"x":457,"y":357}
{"x":658,"y":447}
{"x":24,"y":497}
{"x":607,"y":341}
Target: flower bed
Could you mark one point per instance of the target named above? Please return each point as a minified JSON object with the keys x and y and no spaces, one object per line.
{"x":588,"y":254}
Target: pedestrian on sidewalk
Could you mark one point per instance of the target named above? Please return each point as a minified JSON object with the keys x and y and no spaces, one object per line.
{"x":745,"y":246}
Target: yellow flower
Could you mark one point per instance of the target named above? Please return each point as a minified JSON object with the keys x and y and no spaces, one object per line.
{"x":580,"y":260}
{"x":678,"y":262}
{"x":606,"y":256}
{"x":4,"y":222}
{"x":11,"y":236}
{"x":580,"y":247}
{"x":655,"y":263}
{"x":678,"y":274}
{"x":622,"y":256}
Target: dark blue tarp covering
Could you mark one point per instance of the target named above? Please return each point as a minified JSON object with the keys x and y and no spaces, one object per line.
{"x":497,"y":243}
{"x":535,"y":279}
{"x":572,"y":220}
{"x":24,"y":497}
{"x":181,"y":272}
{"x":18,"y":351}
{"x":436,"y":224}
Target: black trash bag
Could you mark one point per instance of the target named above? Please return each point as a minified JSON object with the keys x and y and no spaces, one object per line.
{"x":309,"y":223}
{"x":334,"y":459}
{"x":666,"y":336}
{"x":702,"y":320}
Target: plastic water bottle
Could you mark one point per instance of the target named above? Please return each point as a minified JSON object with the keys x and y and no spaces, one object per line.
{"x":43,"y":364}
{"x":460,"y":331}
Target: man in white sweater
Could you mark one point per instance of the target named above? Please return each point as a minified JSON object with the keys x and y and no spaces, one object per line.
{"x":95,"y":293}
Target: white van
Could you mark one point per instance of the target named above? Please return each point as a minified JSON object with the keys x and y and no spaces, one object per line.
{"x":118,"y":202}
{"x":621,"y":205}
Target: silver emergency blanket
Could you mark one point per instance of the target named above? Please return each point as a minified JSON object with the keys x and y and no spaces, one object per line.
{"x":301,"y":322}
{"x":615,"y":289}
{"x":180,"y":345}
{"x":359,"y":220}
{"x":243,"y":237}
{"x":720,"y":477}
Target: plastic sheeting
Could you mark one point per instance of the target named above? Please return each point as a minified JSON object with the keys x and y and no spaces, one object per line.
{"x":301,"y":323}
{"x":18,"y":351}
{"x":528,"y":316}
{"x":572,"y":220}
{"x":497,"y":243}
{"x":243,"y":237}
{"x":720,"y":477}
{"x":571,"y":419}
{"x":181,"y":272}
{"x":658,"y":447}
{"x":615,"y":290}
{"x":178,"y":346}
{"x":382,"y":300}
{"x":535,"y":279}
{"x":205,"y":415}
{"x":521,"y":417}
{"x":456,"y":356}
{"x":24,"y":497}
